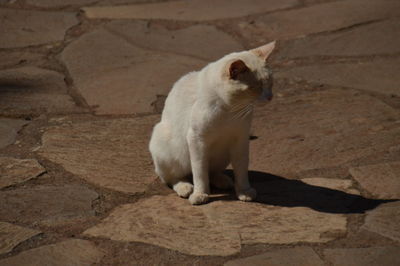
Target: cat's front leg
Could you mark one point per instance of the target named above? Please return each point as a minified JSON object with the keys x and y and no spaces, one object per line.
{"x":199,"y":161}
{"x":240,"y":163}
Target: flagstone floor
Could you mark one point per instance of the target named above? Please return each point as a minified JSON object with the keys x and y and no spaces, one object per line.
{"x":82,"y":83}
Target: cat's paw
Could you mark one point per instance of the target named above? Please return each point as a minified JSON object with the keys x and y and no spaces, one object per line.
{"x":222,"y":181}
{"x":183,"y":189}
{"x":198,"y":198}
{"x":247,"y":195}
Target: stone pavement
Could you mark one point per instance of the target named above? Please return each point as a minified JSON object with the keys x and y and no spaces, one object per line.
{"x":82,"y":82}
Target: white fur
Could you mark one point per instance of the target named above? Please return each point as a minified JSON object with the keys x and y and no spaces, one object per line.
{"x":205,"y":126}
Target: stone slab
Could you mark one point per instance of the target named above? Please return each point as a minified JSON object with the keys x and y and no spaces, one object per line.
{"x":378,"y":38}
{"x":81,"y":3}
{"x":378,"y":75}
{"x":11,"y":235}
{"x":320,"y":129}
{"x":66,"y":253}
{"x":9,"y":130}
{"x":299,"y":256}
{"x":190,"y":41}
{"x":198,"y":10}
{"x":384,"y":220}
{"x":30,"y":90}
{"x":47,"y":205}
{"x":218,"y":228}
{"x":324,"y":17}
{"x":122,"y":80}
{"x":14,"y":171}
{"x":60,"y":3}
{"x":109,"y":153}
{"x":12,"y":59}
{"x":332,"y":183}
{"x":370,"y":256}
{"x":20,"y":28}
{"x":380,"y":180}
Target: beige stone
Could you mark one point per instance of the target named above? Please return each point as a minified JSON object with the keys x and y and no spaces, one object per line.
{"x":299,"y":256}
{"x":125,"y":79}
{"x":332,"y":183}
{"x":11,"y":235}
{"x":191,"y":41}
{"x":378,"y":75}
{"x":217,"y":228}
{"x":9,"y":129}
{"x":21,"y":28}
{"x":384,"y":220}
{"x":371,"y":39}
{"x":318,"y":18}
{"x":320,"y":129}
{"x":66,"y":253}
{"x":370,"y":256}
{"x":109,"y":153}
{"x":31,"y":91}
{"x":47,"y":205}
{"x":14,"y":171}
{"x":381,"y":180}
{"x":189,"y":10}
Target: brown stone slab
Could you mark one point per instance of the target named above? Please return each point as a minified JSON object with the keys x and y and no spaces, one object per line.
{"x":324,"y":17}
{"x":125,"y":79}
{"x":189,"y":10}
{"x":9,"y":129}
{"x":11,"y":235}
{"x":109,"y":153}
{"x":15,"y":58}
{"x":190,"y":41}
{"x":320,"y":129}
{"x":381,"y":180}
{"x":299,"y":256}
{"x":31,"y":91}
{"x":47,"y":205}
{"x":384,"y":220}
{"x":66,"y":253}
{"x":21,"y":28}
{"x":60,"y":3}
{"x":370,"y":256}
{"x":80,"y":3}
{"x":378,"y":75}
{"x":14,"y":171}
{"x":371,"y":39}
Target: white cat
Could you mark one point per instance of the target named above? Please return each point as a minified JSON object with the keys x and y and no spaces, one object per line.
{"x":205,"y":125}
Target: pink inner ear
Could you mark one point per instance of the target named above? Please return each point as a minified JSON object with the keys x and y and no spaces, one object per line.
{"x":265,"y":50}
{"x":236,"y":68}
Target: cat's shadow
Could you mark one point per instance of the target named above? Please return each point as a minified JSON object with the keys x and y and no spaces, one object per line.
{"x":280,"y":191}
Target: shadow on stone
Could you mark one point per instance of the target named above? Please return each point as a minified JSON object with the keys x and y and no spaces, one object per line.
{"x":279,"y":191}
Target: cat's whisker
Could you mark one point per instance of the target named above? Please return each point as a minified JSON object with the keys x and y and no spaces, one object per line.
{"x":242,"y":112}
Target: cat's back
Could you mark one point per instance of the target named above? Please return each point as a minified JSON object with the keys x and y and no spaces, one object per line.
{"x":181,"y":97}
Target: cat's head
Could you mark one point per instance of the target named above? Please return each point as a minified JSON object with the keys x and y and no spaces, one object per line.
{"x":246,"y":76}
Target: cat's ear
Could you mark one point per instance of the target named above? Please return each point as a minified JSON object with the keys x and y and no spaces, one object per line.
{"x":265,"y":50}
{"x":236,"y":68}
